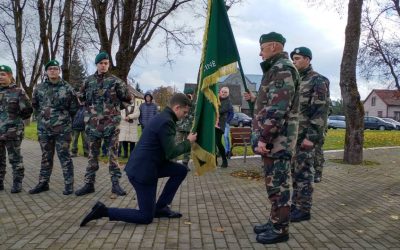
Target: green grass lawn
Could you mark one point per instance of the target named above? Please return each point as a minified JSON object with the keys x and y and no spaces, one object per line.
{"x":333,"y":140}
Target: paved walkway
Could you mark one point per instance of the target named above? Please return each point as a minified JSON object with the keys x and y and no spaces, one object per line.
{"x":355,"y":207}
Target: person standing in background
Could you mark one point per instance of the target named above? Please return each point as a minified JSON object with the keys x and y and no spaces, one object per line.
{"x":129,"y":129}
{"x":147,"y":110}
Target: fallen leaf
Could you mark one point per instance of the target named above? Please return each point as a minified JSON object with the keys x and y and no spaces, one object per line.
{"x":342,"y":204}
{"x":187,"y":223}
{"x":113,"y":196}
{"x":360,"y":231}
{"x":394,"y":217}
{"x":368,"y":211}
{"x":220,"y":229}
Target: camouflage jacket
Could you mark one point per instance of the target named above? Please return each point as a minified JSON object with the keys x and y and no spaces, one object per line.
{"x":277,"y":106}
{"x":314,"y":105}
{"x":14,"y":108}
{"x":103,"y":96}
{"x":55,"y":105}
{"x":185,"y":125}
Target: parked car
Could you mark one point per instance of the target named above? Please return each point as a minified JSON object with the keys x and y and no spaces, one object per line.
{"x":394,"y":122}
{"x":241,"y":120}
{"x":336,"y":121}
{"x":372,"y":122}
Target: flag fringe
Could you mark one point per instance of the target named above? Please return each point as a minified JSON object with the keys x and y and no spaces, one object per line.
{"x":203,"y":161}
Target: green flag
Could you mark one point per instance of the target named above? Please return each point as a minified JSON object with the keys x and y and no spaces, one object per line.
{"x":219,"y":58}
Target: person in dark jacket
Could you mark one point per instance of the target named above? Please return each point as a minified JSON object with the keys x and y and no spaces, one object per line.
{"x":147,"y":110}
{"x":151,"y":160}
{"x":78,"y":129}
{"x":226,"y":106}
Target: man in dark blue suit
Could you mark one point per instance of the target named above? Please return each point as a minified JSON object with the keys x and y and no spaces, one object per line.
{"x":150,"y":160}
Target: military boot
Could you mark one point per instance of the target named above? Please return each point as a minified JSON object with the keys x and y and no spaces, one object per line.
{"x":272,"y":236}
{"x":263,"y":227}
{"x":317,"y":177}
{"x":68,"y":189}
{"x":116,"y":189}
{"x":86,"y":189}
{"x":17,"y":186}
{"x":1,"y":185}
{"x":41,"y":187}
{"x":296,"y":215}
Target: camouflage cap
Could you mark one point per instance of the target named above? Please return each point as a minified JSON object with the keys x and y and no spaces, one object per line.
{"x":304,"y":51}
{"x":272,"y":37}
{"x":52,"y":63}
{"x":101,"y":56}
{"x":188,"y":91}
{"x":5,"y":68}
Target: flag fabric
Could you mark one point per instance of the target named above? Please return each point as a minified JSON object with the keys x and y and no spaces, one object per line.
{"x":219,"y":58}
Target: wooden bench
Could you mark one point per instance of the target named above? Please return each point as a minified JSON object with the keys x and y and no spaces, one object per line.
{"x":240,"y":137}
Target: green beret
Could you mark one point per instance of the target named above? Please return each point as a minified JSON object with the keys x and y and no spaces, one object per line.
{"x":101,"y":56}
{"x":272,"y":37}
{"x":188,"y":91}
{"x":304,"y":51}
{"x":5,"y":68}
{"x":52,"y":63}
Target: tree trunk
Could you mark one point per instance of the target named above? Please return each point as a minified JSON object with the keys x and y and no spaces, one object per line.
{"x":68,"y":6}
{"x":353,"y":108}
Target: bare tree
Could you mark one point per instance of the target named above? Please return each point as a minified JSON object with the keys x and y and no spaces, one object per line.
{"x":353,"y":108}
{"x":380,"y":49}
{"x":162,"y":95}
{"x":130,"y":25}
{"x":21,"y":43}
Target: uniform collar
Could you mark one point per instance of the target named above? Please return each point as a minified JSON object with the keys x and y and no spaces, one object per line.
{"x":305,"y":71}
{"x":267,"y":64}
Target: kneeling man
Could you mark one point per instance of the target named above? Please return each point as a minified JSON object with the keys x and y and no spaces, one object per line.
{"x":150,"y":160}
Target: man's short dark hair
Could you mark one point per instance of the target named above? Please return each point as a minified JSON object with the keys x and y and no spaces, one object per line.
{"x":180,"y":99}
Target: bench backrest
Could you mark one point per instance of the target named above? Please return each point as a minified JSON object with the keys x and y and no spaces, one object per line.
{"x":240,"y":136}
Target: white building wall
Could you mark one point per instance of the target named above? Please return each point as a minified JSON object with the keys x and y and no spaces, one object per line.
{"x":379,"y":106}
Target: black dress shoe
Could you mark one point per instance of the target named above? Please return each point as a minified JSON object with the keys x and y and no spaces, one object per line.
{"x":272,"y":236}
{"x":166,"y":212}
{"x":262,"y":228}
{"x":41,"y":187}
{"x":99,"y":210}
{"x":296,"y":215}
{"x":86,"y":189}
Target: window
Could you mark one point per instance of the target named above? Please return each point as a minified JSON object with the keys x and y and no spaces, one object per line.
{"x":373,"y":101}
{"x":397,"y":115}
{"x":379,"y":113}
{"x":366,"y":113}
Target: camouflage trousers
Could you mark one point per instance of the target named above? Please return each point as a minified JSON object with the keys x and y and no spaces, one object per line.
{"x":14,"y":157}
{"x":60,"y":143}
{"x":111,"y":143}
{"x":319,"y":157}
{"x":276,"y":172}
{"x":303,"y":178}
{"x":75,"y":137}
{"x":180,"y":137}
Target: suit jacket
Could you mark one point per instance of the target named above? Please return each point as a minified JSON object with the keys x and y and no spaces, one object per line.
{"x":156,"y":147}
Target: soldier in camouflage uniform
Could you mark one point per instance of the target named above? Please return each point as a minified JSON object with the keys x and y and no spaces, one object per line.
{"x":55,"y":104}
{"x":14,"y":108}
{"x":274,"y":135}
{"x":103,"y":94}
{"x":314,"y":106}
{"x":184,"y":126}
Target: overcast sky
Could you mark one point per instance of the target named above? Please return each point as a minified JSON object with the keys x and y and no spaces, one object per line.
{"x":320,"y":29}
